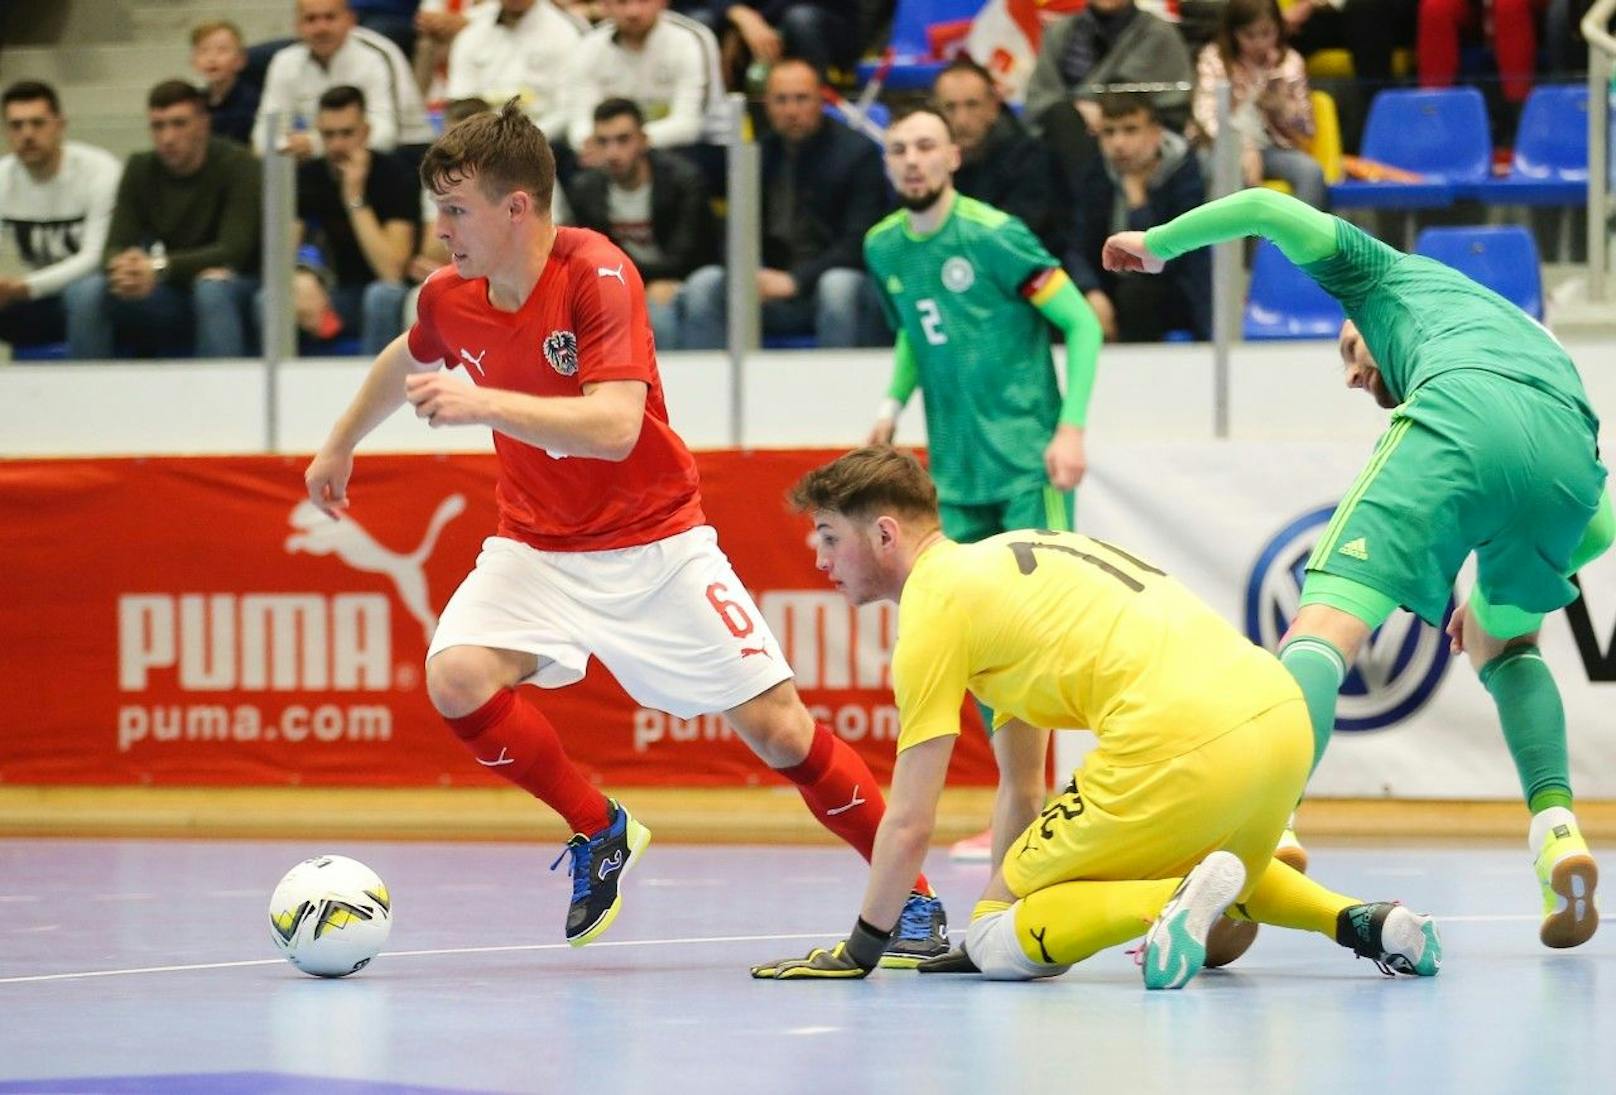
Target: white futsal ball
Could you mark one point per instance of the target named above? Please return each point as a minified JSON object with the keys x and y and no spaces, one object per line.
{"x":330,"y":916}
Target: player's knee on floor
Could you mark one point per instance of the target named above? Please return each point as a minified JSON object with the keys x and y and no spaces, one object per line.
{"x":992,"y":944}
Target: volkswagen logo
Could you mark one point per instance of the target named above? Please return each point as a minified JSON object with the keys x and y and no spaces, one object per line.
{"x":1400,"y":665}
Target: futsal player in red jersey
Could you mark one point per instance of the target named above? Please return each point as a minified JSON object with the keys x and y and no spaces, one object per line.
{"x":602,"y":549}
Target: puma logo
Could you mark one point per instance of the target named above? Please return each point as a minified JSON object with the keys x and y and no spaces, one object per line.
{"x":503,"y":758}
{"x":843,"y":809}
{"x":351,"y":542}
{"x":748,"y":651}
{"x":477,"y":361}
{"x":609,"y":272}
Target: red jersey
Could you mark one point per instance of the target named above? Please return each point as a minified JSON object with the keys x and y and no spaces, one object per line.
{"x":584,"y":322}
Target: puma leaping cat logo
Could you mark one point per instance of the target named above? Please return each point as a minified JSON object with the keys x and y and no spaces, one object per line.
{"x":351,"y":542}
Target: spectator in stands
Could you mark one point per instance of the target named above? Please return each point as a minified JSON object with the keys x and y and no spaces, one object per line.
{"x":182,"y":253}
{"x":664,"y":61}
{"x":822,"y":32}
{"x":1000,"y":162}
{"x":1511,"y":26}
{"x":219,"y":55}
{"x":822,"y":190}
{"x":334,"y":51}
{"x":362,"y":209}
{"x":1370,"y":30}
{"x":436,"y":24}
{"x":651,"y":203}
{"x":56,"y":199}
{"x":1269,"y":104}
{"x":1146,"y":175}
{"x":1109,"y":41}
{"x":518,"y":47}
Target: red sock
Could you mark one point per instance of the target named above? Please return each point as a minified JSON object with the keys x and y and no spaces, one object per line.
{"x":512,"y":738}
{"x":842,"y":793}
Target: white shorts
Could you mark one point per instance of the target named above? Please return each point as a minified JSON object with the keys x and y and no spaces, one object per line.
{"x":669,"y":619}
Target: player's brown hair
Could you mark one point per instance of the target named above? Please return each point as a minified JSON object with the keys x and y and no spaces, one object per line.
{"x":502,"y":148}
{"x":867,"y":483}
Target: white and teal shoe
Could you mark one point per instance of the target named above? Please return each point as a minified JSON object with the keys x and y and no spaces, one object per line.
{"x":1175,"y":948}
{"x":1392,"y":937}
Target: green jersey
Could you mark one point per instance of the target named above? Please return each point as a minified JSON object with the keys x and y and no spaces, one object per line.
{"x":1421,"y":318}
{"x":966,"y":296}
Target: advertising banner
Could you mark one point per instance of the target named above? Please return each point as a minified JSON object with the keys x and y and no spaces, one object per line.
{"x":1236,"y":522}
{"x":197,"y":621}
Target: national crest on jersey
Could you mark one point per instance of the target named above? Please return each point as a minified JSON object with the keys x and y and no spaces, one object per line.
{"x":561,"y":351}
{"x":583,"y":324}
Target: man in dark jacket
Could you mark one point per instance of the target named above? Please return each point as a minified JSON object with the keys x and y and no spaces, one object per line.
{"x":181,"y":261}
{"x":1145,"y":176}
{"x":1001,"y":163}
{"x":652,"y":204}
{"x":823,"y":188}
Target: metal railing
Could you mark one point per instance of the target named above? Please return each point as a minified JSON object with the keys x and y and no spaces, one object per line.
{"x":1601,"y":61}
{"x":743,"y":249}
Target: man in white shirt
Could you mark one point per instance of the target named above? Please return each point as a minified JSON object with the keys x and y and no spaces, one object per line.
{"x":663,"y":61}
{"x":56,"y":199}
{"x":334,"y":50}
{"x":521,"y":48}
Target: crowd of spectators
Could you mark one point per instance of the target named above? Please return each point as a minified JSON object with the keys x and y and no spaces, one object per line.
{"x":158,"y":256}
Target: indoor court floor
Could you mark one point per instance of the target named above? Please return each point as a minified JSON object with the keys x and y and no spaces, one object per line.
{"x":132,"y":966}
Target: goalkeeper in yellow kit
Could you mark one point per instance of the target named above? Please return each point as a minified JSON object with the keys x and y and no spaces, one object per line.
{"x":1204,"y":744}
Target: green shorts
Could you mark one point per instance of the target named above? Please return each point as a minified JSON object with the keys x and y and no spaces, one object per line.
{"x":1041,"y":507}
{"x":1471,"y":462}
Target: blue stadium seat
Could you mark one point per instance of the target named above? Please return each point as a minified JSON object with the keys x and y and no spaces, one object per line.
{"x":1441,"y":133}
{"x":1282,"y":302}
{"x":1503,"y":258}
{"x":45,"y":351}
{"x":913,"y":66}
{"x":1551,"y":152}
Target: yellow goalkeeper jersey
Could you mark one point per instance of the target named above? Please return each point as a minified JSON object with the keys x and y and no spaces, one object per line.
{"x":1068,"y":632}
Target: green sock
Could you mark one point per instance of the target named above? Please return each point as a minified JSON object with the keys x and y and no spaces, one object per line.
{"x":1533,"y":719}
{"x":1319,"y":668}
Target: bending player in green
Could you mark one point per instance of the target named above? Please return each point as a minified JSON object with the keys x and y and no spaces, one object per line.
{"x":1491,"y":449}
{"x":971,"y":294}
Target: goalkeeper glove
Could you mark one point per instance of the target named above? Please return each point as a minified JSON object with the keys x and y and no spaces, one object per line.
{"x":851,"y":959}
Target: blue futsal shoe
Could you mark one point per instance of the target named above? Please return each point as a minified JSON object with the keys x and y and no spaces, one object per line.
{"x":599,"y":863}
{"x":922,"y":933}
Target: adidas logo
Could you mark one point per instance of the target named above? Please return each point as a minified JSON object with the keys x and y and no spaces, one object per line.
{"x":1356,"y":549}
{"x":894,"y":286}
{"x":1362,"y":919}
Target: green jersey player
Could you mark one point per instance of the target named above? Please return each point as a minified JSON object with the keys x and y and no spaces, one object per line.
{"x":1492,"y":450}
{"x":971,"y":294}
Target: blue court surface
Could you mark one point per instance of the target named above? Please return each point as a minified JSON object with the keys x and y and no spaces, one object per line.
{"x":132,"y":966}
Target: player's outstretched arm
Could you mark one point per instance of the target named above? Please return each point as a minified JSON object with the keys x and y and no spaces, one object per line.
{"x":1303,"y":233}
{"x":380,"y":395}
{"x":905,"y":379}
{"x":900,"y":850}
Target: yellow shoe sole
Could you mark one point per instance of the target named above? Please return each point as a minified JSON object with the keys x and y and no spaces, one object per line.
{"x":1575,"y":918}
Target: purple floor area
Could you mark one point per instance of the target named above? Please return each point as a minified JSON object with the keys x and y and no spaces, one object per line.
{"x":147,"y":966}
